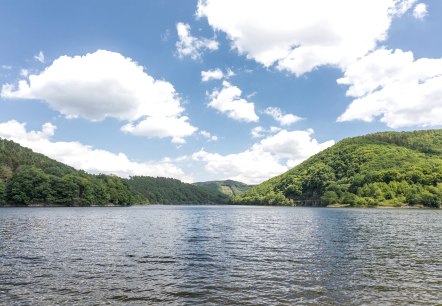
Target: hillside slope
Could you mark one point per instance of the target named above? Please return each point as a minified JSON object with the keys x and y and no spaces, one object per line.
{"x":228,"y":187}
{"x":389,"y":168}
{"x":29,"y":178}
{"x":162,"y":190}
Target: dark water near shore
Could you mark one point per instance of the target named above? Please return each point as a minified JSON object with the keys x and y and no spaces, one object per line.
{"x":194,"y":255}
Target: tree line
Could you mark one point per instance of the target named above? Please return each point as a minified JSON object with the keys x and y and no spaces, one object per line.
{"x":29,"y":178}
{"x":30,"y":185}
{"x":161,"y":190}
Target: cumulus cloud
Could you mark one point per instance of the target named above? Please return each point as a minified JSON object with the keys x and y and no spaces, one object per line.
{"x":162,"y":127}
{"x":283,"y":119}
{"x":100,"y":85}
{"x":265,"y":159}
{"x":40,"y":57}
{"x":259,"y":131}
{"x":420,"y":11}
{"x":86,"y":157}
{"x":395,"y":88}
{"x":191,"y":46}
{"x":250,"y":167}
{"x":228,"y":100}
{"x":299,"y":36}
{"x":24,"y":72}
{"x":216,"y":74}
{"x":208,"y":136}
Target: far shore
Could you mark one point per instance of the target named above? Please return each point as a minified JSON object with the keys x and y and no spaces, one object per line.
{"x":154,"y":204}
{"x":381,"y":206}
{"x":55,"y":205}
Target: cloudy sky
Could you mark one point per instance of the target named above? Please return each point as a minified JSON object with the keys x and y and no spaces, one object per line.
{"x":216,"y":89}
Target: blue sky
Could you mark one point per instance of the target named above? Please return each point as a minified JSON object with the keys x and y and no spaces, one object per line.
{"x":216,"y":89}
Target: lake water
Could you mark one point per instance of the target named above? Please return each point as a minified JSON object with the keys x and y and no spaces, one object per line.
{"x":212,"y":255}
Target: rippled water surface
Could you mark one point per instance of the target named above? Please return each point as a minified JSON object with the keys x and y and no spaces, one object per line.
{"x":194,"y":255}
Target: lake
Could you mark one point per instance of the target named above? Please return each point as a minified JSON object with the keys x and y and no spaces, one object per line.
{"x":212,"y":255}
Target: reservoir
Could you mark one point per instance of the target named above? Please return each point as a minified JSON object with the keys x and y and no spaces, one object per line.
{"x":214,"y":255}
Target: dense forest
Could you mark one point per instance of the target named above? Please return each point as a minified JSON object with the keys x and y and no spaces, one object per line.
{"x":389,"y":168}
{"x":228,"y":187}
{"x":28,"y":178}
{"x":162,"y":190}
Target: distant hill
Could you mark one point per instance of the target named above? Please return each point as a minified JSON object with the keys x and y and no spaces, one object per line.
{"x":162,"y":190}
{"x":29,"y":178}
{"x":228,"y":187}
{"x":389,"y":168}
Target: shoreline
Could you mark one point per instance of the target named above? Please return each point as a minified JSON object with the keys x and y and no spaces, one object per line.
{"x":55,"y":206}
{"x":221,"y":204}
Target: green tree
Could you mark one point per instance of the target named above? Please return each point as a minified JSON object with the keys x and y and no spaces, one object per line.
{"x":330,"y":197}
{"x":65,"y":190}
{"x":100,"y":192}
{"x":350,"y":198}
{"x":432,"y":197}
{"x":317,"y":179}
{"x":5,"y":172}
{"x":293,"y":191}
{"x":29,"y":185}
{"x":2,"y":192}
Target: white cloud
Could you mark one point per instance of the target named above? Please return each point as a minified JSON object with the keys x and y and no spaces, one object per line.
{"x":420,"y":11}
{"x":229,"y":73}
{"x":228,"y":100}
{"x":85,"y":157}
{"x":265,"y":159}
{"x":208,"y":136}
{"x":24,"y":72}
{"x":100,"y":85}
{"x":162,"y":127}
{"x":395,"y":88}
{"x":250,"y":167}
{"x":299,"y":36}
{"x":40,"y":57}
{"x":274,"y":129}
{"x":6,"y":67}
{"x":259,"y":131}
{"x":283,"y":119}
{"x":216,"y":74}
{"x":191,"y":46}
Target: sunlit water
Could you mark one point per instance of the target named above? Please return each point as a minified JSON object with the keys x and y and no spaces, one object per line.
{"x":196,"y":255}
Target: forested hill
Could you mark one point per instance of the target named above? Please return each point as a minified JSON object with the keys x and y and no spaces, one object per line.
{"x":162,"y":190}
{"x":389,"y":168}
{"x":29,"y":178}
{"x":228,"y":187}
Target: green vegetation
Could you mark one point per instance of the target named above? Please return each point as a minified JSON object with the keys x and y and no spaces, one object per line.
{"x":162,"y":190}
{"x":28,"y":178}
{"x":228,"y":187}
{"x":389,"y":169}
